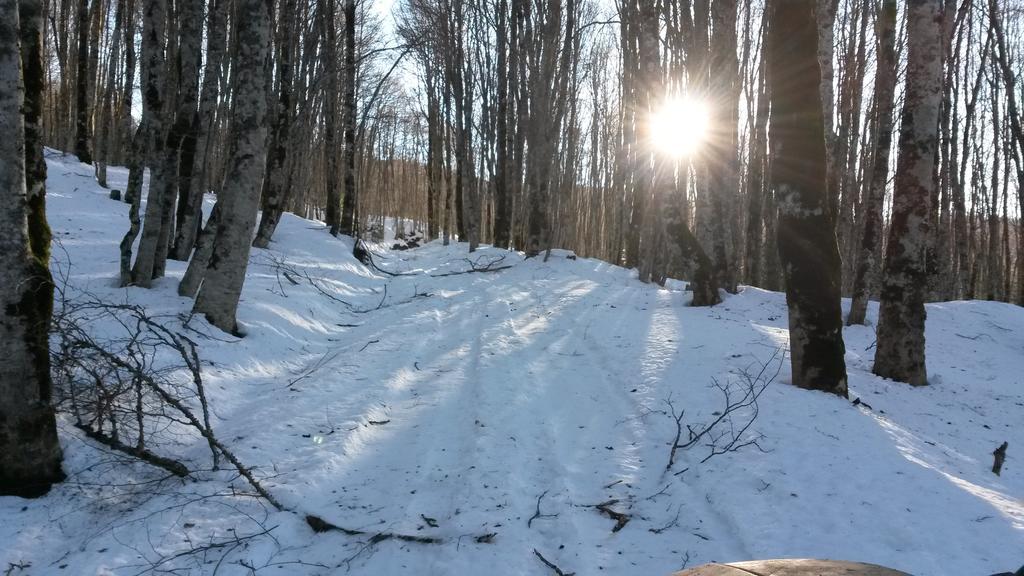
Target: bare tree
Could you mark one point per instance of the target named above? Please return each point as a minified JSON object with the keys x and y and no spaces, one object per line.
{"x":240,"y":195}
{"x":806,"y":228}
{"x":900,"y":353}
{"x":349,"y":218}
{"x":275,"y":184}
{"x":82,"y":85}
{"x":151,"y":130}
{"x":885,"y":88}
{"x":190,"y":204}
{"x":30,"y":455}
{"x":31,"y":30}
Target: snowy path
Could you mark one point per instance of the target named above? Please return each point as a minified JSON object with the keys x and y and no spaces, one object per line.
{"x":461,"y":400}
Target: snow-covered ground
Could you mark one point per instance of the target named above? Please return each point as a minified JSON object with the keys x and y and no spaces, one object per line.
{"x":509,"y":404}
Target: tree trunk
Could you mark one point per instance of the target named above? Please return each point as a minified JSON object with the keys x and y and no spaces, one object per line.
{"x":885,"y":87}
{"x":179,"y":153}
{"x":330,"y":96}
{"x":31,"y":32}
{"x":153,"y":27}
{"x":276,"y":183}
{"x":756,"y":188}
{"x":900,"y":353}
{"x":106,"y":128}
{"x":503,"y":137}
{"x":695,"y":261}
{"x":82,"y":85}
{"x":806,"y":230}
{"x":723,"y":168}
{"x":349,"y":217}
{"x":825,"y":16}
{"x":191,"y":202}
{"x":542,"y":143}
{"x":30,"y":454}
{"x":240,"y":195}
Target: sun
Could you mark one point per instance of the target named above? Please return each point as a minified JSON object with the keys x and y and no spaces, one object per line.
{"x":679,"y":127}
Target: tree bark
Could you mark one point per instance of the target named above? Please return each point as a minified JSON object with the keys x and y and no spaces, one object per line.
{"x":349,"y":216}
{"x":723,"y":168}
{"x":82,"y":85}
{"x":806,"y":231}
{"x":240,"y":195}
{"x":191,"y":202}
{"x":153,"y":27}
{"x":503,"y":136}
{"x":31,"y":33}
{"x":276,"y":182}
{"x":900,"y":353}
{"x":330,"y":96}
{"x":30,"y":454}
{"x":180,"y":146}
{"x":885,"y":88}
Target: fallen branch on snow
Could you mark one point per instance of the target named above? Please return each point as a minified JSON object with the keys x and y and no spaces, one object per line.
{"x":999,"y":456}
{"x":169,"y":464}
{"x":537,"y":515}
{"x":552,"y":565}
{"x":722,"y":434}
{"x":319,"y":525}
{"x":620,"y":518}
{"x":475,"y":266}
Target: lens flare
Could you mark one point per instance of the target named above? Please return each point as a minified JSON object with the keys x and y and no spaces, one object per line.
{"x":679,"y":127}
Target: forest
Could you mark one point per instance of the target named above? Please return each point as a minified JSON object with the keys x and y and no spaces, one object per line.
{"x":432,"y":226}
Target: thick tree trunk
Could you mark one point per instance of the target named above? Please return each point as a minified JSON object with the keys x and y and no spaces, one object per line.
{"x":153,"y":27}
{"x":825,"y":16}
{"x":106,"y":129}
{"x":179,"y":149}
{"x":276,"y":183}
{"x":30,"y":455}
{"x":900,"y":353}
{"x":755,"y":185}
{"x":191,"y":201}
{"x":470,"y":205}
{"x":125,"y":122}
{"x":349,"y":216}
{"x":82,"y":85}
{"x":240,"y":195}
{"x":723,"y":168}
{"x":330,"y":96}
{"x":695,"y":261}
{"x":503,"y":136}
{"x":806,"y":231}
{"x":31,"y":33}
{"x":165,"y":175}
{"x":435,"y":214}
{"x":885,"y":87}
{"x":540,"y":163}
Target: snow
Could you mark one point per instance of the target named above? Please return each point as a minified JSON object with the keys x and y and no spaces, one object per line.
{"x":480,"y":400}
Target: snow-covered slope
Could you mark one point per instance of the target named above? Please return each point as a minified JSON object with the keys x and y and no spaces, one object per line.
{"x":511,"y":403}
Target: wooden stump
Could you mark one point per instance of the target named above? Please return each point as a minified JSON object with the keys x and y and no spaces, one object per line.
{"x":794,"y":567}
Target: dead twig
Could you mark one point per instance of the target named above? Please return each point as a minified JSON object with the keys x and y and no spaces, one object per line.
{"x":621,"y":519}
{"x":552,"y":565}
{"x":319,"y":525}
{"x":475,"y":266}
{"x":723,"y":434}
{"x":537,"y":515}
{"x":672,"y":524}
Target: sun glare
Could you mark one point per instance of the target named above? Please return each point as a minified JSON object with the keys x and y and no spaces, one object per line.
{"x":679,"y":127}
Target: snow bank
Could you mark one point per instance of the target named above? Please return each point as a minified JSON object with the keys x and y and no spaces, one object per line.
{"x":512,"y":403}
